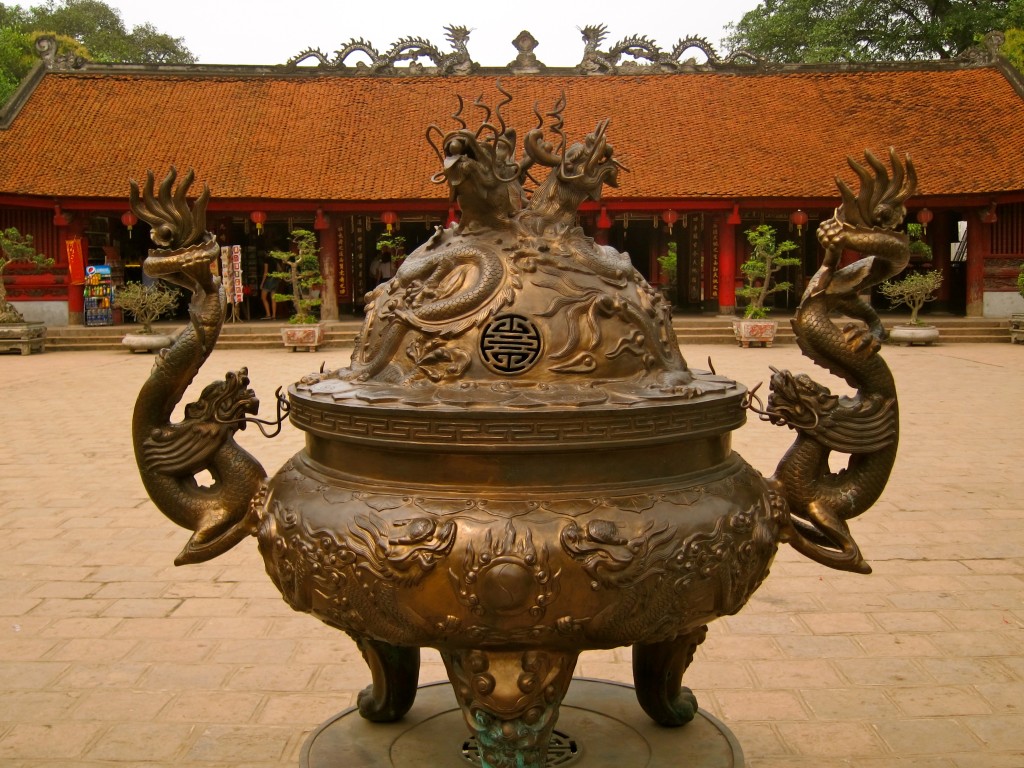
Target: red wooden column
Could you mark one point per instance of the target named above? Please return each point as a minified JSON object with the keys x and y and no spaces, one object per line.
{"x":941,"y":237}
{"x":329,"y":270}
{"x":726,"y":266}
{"x":979,"y":246}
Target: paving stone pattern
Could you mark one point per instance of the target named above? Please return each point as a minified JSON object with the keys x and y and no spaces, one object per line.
{"x":111,"y":656}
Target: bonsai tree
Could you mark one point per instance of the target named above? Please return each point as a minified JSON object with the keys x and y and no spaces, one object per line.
{"x":920,"y":251}
{"x":914,"y":290}
{"x":302,"y":273}
{"x":16,"y":247}
{"x":392,"y":244}
{"x":390,"y":253}
{"x":146,"y":303}
{"x":667,"y":262}
{"x":766,"y":259}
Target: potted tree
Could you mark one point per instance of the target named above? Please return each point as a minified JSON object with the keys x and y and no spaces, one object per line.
{"x":914,"y":290}
{"x":920,"y":251}
{"x":389,"y":256}
{"x":15,"y":331}
{"x":146,"y":303}
{"x":1017,"y":318}
{"x":668,"y":262}
{"x":301,"y":273}
{"x":767,"y":258}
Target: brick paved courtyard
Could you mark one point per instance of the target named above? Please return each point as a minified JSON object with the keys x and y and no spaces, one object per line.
{"x":111,"y":656}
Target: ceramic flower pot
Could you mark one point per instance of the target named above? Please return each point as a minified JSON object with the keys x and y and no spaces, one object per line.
{"x":303,"y":336}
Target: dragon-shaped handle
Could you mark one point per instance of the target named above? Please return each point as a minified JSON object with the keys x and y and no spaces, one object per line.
{"x":170,"y":455}
{"x":866,"y":425}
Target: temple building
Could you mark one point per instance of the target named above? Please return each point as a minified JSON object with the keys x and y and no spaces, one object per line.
{"x":339,"y":145}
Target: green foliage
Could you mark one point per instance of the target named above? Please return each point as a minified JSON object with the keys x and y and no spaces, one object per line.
{"x":767,"y":258}
{"x":146,"y":303}
{"x":914,"y":290}
{"x":919,"y":248}
{"x":303,"y":275}
{"x":394,"y":244}
{"x":1013,"y":47}
{"x":17,"y":55}
{"x":1020,"y":281}
{"x":16,"y":247}
{"x":101,"y":30}
{"x":668,"y":261}
{"x":87,"y":28}
{"x":820,"y":31}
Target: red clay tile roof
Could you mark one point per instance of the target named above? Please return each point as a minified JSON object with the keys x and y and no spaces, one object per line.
{"x":329,"y":137}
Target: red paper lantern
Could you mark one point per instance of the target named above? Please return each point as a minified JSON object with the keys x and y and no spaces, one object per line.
{"x":259,"y":218}
{"x":129,"y":219}
{"x":321,"y":221}
{"x":734,"y":217}
{"x":604,"y":221}
{"x":670,"y":217}
{"x":390,"y":219}
{"x":59,"y":219}
{"x":799,"y":219}
{"x":924,"y":216}
{"x":452,"y":217}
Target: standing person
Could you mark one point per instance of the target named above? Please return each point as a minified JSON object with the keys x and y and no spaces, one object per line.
{"x":384,"y":268}
{"x":268,"y":287}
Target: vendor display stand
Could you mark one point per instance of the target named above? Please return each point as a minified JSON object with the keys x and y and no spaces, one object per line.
{"x":99,"y":296}
{"x":231,"y":271}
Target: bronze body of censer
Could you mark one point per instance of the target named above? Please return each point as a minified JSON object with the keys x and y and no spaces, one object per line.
{"x":518,"y":464}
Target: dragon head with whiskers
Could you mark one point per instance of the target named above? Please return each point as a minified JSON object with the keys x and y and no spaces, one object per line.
{"x":185,"y":249}
{"x":880,"y":202}
{"x":480,"y":166}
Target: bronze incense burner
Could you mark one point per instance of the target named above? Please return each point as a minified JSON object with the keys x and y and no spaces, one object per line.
{"x":518,"y":464}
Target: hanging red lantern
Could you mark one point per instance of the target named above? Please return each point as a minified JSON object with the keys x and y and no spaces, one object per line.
{"x":59,"y":219}
{"x":670,"y":217}
{"x":734,"y":217}
{"x":799,"y":219}
{"x":390,"y":219}
{"x":321,"y":221}
{"x":923,"y":217}
{"x":259,"y":218}
{"x":604,"y":221}
{"x":129,"y":219}
{"x":452,"y":218}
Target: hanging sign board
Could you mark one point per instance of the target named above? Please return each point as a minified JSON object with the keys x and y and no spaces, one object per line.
{"x":76,"y":261}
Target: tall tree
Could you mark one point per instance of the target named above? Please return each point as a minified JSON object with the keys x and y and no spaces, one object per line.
{"x":818,"y":31}
{"x":101,"y":30}
{"x":89,"y":28}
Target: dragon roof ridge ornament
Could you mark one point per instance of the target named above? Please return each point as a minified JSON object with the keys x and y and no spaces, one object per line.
{"x":632,"y":54}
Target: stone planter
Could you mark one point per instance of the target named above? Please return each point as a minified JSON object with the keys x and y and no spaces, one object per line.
{"x":26,"y":337}
{"x":909,"y":335}
{"x":1017,"y":328}
{"x":146,"y":342}
{"x":309,"y":337}
{"x":749,"y":331}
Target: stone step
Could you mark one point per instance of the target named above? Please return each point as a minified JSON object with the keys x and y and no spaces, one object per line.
{"x":689,"y":329}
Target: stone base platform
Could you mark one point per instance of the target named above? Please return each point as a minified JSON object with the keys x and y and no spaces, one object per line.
{"x":599,"y":724}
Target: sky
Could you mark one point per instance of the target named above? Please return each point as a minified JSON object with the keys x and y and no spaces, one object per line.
{"x":272,"y":31}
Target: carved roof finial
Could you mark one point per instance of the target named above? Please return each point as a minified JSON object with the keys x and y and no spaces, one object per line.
{"x":526,"y":62}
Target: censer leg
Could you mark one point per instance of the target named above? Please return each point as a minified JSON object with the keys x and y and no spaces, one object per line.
{"x":510,"y":701}
{"x":395,"y":671}
{"x":658,"y":673}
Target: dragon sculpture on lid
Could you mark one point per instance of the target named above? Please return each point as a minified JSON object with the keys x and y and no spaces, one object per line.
{"x":518,"y":464}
